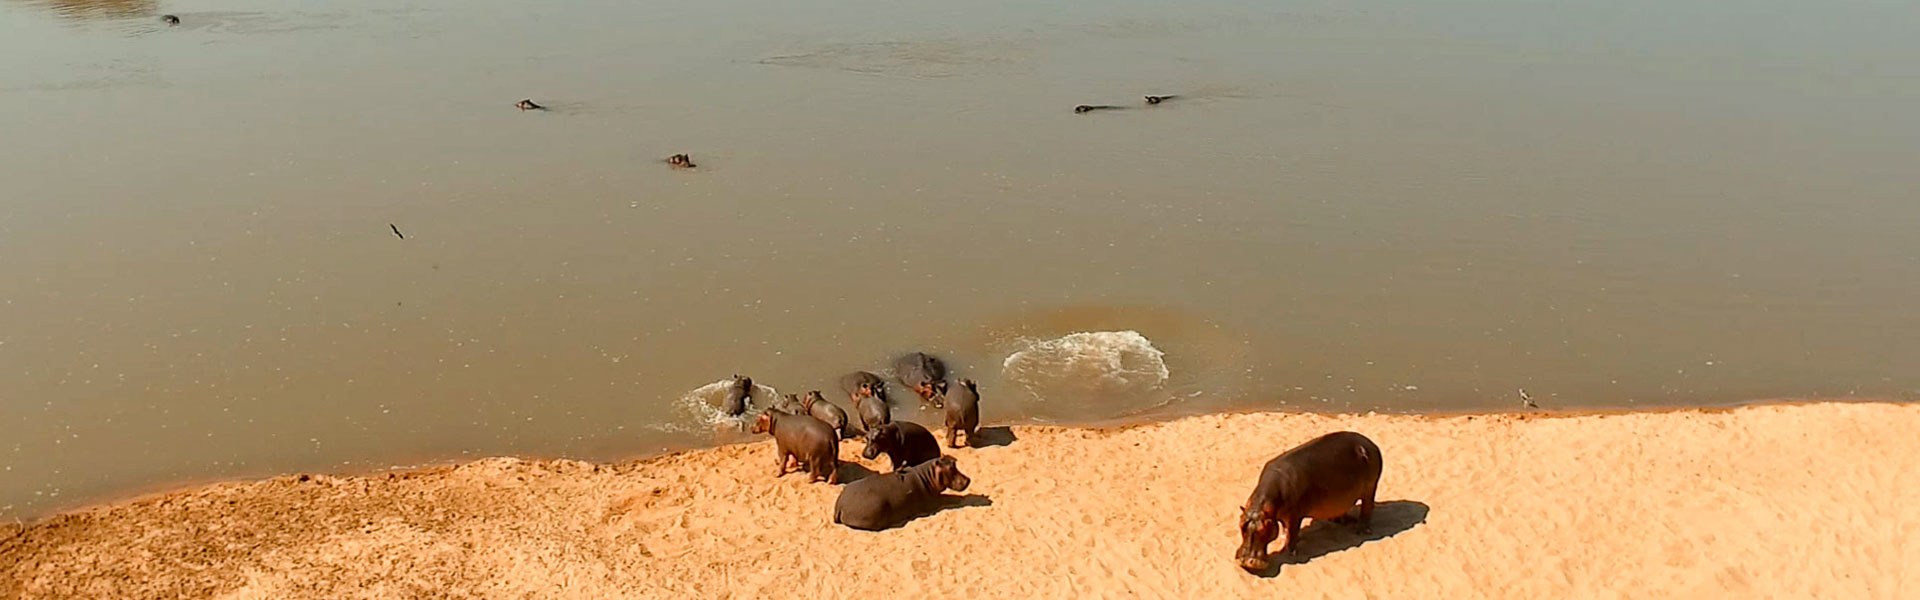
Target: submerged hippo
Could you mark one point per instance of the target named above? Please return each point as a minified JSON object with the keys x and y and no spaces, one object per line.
{"x":963,"y":413}
{"x":925,"y":375}
{"x":739,"y":395}
{"x":905,"y":442}
{"x":170,"y":20}
{"x":804,"y":439}
{"x":528,"y":104}
{"x":818,"y":406}
{"x":890,"y":500}
{"x":681,"y":161}
{"x":1321,"y":479}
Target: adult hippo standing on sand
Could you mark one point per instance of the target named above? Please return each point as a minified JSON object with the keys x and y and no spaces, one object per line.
{"x":739,"y":395}
{"x":804,"y":439}
{"x":1321,"y":479}
{"x":963,"y":413}
{"x":890,"y":500}
{"x":905,"y":442}
{"x":925,"y":375}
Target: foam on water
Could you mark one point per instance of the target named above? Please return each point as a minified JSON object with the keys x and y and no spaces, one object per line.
{"x":702,"y":405}
{"x":1088,"y":364}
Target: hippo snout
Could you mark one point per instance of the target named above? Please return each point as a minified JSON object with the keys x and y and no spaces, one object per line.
{"x":1254,"y":564}
{"x":960,"y":482}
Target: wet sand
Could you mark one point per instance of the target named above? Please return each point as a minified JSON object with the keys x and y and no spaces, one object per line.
{"x":1766,"y":501}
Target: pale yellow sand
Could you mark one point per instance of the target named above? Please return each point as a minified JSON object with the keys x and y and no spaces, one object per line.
{"x":1814,"y":501}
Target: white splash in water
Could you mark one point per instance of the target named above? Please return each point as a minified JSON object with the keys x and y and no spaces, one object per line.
{"x":703,"y":405}
{"x":1091,"y":363}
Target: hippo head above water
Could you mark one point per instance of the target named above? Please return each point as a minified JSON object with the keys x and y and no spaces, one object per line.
{"x":1257,"y":529}
{"x":932,"y":391}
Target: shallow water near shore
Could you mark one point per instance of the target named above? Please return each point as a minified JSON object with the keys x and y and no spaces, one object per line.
{"x":1394,"y":206}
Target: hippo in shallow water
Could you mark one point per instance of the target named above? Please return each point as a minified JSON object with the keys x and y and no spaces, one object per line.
{"x":905,"y":442}
{"x":170,"y":20}
{"x":804,"y":439}
{"x":790,"y":403}
{"x":890,"y":500}
{"x":739,"y":395}
{"x":818,"y":406}
{"x":872,"y":409}
{"x":925,"y":375}
{"x":1322,"y":479}
{"x":862,"y":383}
{"x":963,"y":413}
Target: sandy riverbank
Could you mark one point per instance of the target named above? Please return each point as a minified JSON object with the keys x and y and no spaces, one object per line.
{"x":1769,"y":501}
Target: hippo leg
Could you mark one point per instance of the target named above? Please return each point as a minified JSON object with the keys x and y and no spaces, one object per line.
{"x":1293,"y":533}
{"x":953,"y":437}
{"x":1366,"y":512}
{"x":780,"y":459}
{"x":833,"y":474}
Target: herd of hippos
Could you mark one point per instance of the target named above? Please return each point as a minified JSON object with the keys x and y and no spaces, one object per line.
{"x":1321,"y":479}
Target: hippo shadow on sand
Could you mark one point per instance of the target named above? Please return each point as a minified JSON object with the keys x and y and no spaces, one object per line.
{"x":991,"y":436}
{"x":852,"y":471}
{"x":948,"y":502}
{"x":1323,"y":537}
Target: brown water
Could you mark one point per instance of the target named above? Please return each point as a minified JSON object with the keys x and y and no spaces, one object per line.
{"x":1399,"y":205}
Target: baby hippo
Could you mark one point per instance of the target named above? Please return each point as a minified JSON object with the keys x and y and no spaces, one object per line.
{"x":925,"y":374}
{"x":890,"y":500}
{"x":739,"y":394}
{"x":789,"y":403}
{"x":871,"y":405}
{"x":818,"y":406}
{"x":805,"y":439}
{"x":1321,"y":479}
{"x":963,"y":413}
{"x":905,"y":442}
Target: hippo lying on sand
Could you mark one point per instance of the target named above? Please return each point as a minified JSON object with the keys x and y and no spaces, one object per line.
{"x":890,"y":500}
{"x":1321,"y":479}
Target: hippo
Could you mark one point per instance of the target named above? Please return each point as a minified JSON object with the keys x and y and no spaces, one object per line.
{"x":890,"y":500}
{"x":739,"y":395}
{"x":873,"y":412}
{"x":789,"y":403}
{"x":818,"y":406}
{"x":681,"y":161}
{"x":1087,"y":108}
{"x":1321,"y":479}
{"x":905,"y":442}
{"x":528,"y":104}
{"x":862,"y":383}
{"x":963,"y":413}
{"x":1159,"y":99}
{"x":804,"y":439}
{"x":170,"y":20}
{"x":925,"y":375}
